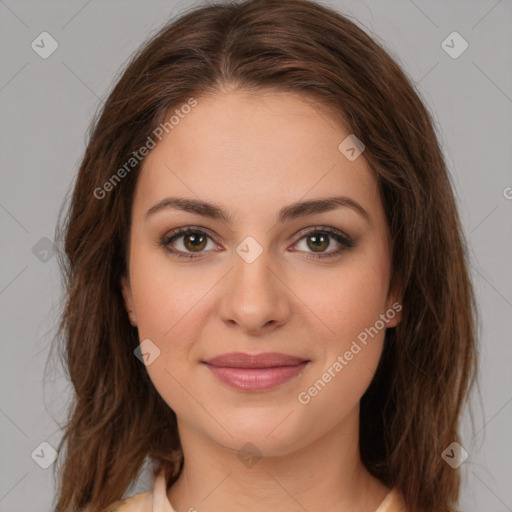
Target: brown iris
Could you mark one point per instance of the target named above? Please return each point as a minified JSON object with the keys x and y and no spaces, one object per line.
{"x":197,"y":241}
{"x":320,"y":242}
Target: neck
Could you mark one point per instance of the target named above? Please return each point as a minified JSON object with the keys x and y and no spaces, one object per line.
{"x":326,"y":474}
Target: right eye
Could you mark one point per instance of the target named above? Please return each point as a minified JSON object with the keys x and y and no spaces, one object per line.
{"x":194,"y":240}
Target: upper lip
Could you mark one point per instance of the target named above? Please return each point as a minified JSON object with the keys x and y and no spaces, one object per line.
{"x":263,"y":360}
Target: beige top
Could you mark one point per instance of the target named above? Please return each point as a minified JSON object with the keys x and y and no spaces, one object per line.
{"x":157,"y":500}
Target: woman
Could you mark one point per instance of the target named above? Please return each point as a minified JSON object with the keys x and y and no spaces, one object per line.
{"x":267,"y":285}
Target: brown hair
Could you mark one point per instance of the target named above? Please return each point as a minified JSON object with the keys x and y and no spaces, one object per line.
{"x":410,"y":412}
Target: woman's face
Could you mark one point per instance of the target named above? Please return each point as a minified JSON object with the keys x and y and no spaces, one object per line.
{"x":259,"y":273}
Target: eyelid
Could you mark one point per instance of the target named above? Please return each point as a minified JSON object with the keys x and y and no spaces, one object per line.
{"x":325,"y":229}
{"x":340,"y":236}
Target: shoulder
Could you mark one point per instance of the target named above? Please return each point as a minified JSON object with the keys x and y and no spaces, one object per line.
{"x":142,"y":502}
{"x":150,"y":501}
{"x":393,"y":502}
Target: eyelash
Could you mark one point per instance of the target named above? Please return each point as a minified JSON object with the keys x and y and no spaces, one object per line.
{"x":345,"y":241}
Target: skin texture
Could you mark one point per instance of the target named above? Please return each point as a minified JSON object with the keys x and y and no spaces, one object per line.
{"x":253,"y":153}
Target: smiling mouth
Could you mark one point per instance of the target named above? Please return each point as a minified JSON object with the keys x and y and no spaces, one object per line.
{"x":258,"y":372}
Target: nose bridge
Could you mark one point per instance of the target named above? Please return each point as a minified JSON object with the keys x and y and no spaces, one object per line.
{"x":254,"y":297}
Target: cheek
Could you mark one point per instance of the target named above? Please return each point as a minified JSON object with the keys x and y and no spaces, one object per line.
{"x":169,"y":301}
{"x":164,"y":292}
{"x":349,"y":303}
{"x":350,"y":299}
{"x":172,"y":302}
{"x":347,"y":357}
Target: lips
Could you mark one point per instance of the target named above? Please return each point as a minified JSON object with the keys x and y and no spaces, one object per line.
{"x":256,"y":372}
{"x":263,"y":360}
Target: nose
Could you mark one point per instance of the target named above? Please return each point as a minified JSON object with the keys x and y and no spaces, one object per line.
{"x":255,"y":299}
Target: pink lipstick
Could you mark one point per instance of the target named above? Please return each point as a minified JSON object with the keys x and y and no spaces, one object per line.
{"x":257,"y":372}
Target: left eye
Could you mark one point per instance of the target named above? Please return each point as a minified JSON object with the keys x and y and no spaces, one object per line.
{"x":320,"y":239}
{"x":194,"y":241}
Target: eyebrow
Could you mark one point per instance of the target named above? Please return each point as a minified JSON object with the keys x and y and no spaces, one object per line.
{"x":292,"y":211}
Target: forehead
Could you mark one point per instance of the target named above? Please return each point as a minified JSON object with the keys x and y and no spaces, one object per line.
{"x":261,"y":149}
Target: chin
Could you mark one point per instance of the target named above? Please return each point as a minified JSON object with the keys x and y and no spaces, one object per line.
{"x":268,"y":433}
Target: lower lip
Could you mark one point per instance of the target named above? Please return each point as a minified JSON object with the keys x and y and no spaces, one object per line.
{"x":256,"y":379}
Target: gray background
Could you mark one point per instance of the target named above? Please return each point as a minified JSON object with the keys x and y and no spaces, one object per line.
{"x":46,"y":107}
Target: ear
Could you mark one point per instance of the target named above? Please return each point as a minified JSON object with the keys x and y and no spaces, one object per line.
{"x":393,"y":308}
{"x":126,"y":290}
